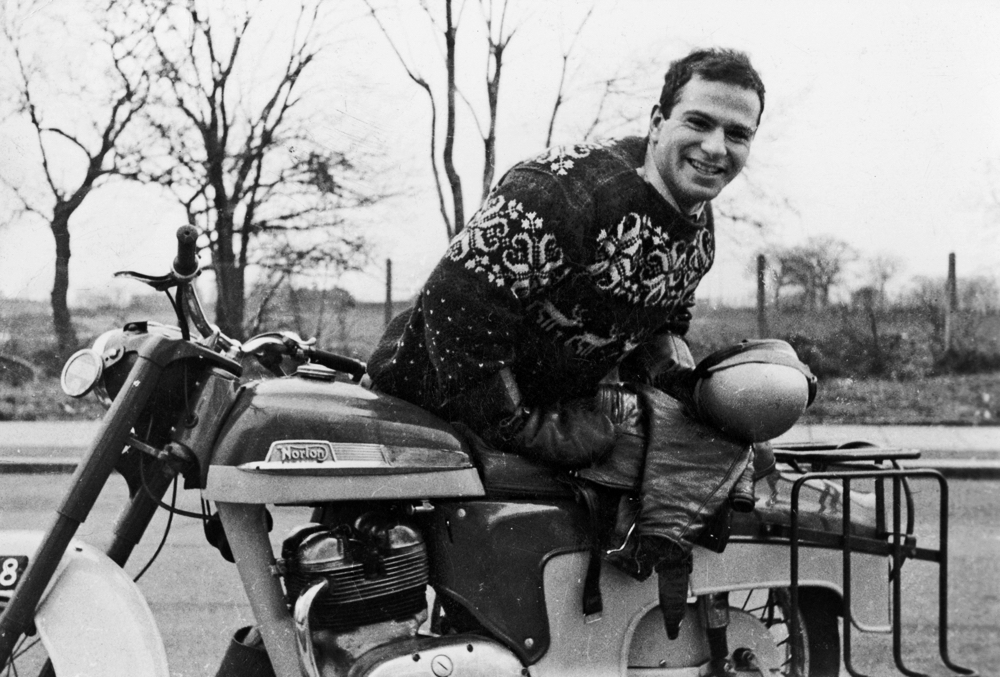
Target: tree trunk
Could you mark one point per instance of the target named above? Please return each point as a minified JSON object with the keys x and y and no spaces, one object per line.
{"x":62,"y":322}
{"x":490,"y":142}
{"x":449,"y":138}
{"x":229,"y":301}
{"x":228,"y":280}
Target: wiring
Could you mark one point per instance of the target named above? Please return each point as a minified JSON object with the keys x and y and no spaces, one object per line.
{"x":166,"y":532}
{"x":172,"y":509}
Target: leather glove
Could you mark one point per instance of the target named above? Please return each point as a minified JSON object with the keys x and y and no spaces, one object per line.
{"x":571,"y":434}
{"x":622,"y":467}
{"x":665,"y":362}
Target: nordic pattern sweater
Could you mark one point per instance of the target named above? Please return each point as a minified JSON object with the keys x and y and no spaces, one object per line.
{"x":572,"y":262}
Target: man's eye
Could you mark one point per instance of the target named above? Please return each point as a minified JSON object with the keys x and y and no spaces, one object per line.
{"x":699,"y":124}
{"x":739,"y":136}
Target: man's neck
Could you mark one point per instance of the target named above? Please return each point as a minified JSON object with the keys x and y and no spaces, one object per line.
{"x":651,"y":174}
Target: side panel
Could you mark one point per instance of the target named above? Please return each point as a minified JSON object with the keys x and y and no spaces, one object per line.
{"x":489,"y":557}
{"x":601,"y":648}
{"x":92,"y":619}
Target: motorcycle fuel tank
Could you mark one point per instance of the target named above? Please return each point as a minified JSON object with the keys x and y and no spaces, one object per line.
{"x":299,"y":440}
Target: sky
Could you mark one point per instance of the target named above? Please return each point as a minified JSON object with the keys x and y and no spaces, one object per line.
{"x":881,"y":128}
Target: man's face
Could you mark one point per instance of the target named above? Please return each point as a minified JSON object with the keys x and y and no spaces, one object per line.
{"x":706,"y":140}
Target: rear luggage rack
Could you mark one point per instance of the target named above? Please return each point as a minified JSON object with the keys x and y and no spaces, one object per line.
{"x":864,"y":461}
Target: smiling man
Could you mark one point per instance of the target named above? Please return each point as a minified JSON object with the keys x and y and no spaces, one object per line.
{"x":699,"y":139}
{"x":579,"y":270}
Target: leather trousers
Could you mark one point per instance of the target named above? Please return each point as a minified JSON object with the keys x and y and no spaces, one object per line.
{"x":673,"y":473}
{"x":683,"y":470}
{"x":685,"y":473}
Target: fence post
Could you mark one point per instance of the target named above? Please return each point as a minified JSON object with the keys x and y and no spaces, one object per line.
{"x":388,"y":291}
{"x":762,"y":329}
{"x":950,"y":303}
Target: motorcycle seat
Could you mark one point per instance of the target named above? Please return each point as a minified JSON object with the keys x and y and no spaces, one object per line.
{"x":506,"y":475}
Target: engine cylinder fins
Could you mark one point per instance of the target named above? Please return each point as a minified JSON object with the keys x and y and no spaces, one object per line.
{"x":348,"y":616}
{"x":357,"y":588}
{"x":375,"y":570}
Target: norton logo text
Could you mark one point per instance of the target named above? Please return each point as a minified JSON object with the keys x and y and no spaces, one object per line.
{"x":301,"y":451}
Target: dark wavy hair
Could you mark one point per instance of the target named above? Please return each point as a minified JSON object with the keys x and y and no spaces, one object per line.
{"x":715,"y":65}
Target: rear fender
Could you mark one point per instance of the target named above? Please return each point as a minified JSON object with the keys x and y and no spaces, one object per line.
{"x":762,"y":565}
{"x":92,"y":618}
{"x":585,"y":648}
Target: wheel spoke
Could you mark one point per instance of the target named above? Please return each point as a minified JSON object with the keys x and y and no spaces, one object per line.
{"x":22,"y":647}
{"x":771,"y":609}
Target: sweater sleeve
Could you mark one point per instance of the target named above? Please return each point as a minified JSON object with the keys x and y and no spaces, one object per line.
{"x":473,"y":305}
{"x":474,"y":316}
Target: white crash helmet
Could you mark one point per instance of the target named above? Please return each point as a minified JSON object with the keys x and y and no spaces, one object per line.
{"x":755,"y":390}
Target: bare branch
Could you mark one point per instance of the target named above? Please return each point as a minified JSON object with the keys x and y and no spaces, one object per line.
{"x":448,"y":223}
{"x":562,"y":76}
{"x":495,"y":47}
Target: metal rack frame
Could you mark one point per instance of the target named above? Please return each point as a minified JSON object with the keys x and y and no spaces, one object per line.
{"x":861,"y":461}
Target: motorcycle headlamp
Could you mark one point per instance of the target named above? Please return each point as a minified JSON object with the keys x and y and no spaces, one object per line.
{"x":81,"y":372}
{"x":86,"y":369}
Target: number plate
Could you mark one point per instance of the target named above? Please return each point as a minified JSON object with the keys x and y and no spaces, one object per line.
{"x":11,"y":569}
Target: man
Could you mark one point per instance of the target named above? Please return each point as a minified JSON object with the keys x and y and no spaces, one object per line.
{"x":582,"y":261}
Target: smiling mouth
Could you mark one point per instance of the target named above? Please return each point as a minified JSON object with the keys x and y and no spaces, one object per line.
{"x":705,"y":168}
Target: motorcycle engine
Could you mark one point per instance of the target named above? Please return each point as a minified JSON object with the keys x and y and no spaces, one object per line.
{"x":375,"y":569}
{"x":358,"y":595}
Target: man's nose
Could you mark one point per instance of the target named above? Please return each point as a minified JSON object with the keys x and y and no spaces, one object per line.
{"x":714,"y":142}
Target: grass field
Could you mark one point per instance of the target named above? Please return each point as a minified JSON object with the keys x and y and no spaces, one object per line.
{"x":972,"y":399}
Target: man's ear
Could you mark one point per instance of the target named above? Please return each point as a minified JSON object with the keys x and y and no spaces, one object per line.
{"x":655,"y":118}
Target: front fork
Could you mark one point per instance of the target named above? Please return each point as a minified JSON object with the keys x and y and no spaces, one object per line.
{"x":88,"y":481}
{"x":92,"y":474}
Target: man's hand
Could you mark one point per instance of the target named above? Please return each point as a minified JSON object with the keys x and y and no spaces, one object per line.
{"x":571,"y":434}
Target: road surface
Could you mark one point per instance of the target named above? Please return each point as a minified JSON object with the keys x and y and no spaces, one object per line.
{"x":198,"y":599}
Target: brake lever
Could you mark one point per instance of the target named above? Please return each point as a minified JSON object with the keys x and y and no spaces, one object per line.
{"x":157,"y":282}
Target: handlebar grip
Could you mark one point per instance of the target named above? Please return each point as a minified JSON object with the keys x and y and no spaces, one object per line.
{"x":186,"y":262}
{"x":348,"y":365}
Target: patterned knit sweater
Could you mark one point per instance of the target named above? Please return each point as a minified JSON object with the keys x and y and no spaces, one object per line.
{"x":572,"y":262}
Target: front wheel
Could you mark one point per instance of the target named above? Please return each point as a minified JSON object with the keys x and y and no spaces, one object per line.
{"x":28,"y":658}
{"x":760,"y":623}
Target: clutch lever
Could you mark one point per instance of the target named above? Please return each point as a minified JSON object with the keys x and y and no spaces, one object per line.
{"x":157,"y":282}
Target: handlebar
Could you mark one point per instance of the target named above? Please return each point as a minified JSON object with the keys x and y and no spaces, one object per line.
{"x":186,"y":263}
{"x":189,"y":309}
{"x":348,"y":365}
{"x":290,"y":343}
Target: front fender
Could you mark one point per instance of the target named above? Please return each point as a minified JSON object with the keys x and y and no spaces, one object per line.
{"x":92,"y":618}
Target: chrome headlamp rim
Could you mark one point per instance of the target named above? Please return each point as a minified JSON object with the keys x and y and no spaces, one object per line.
{"x":82,"y":371}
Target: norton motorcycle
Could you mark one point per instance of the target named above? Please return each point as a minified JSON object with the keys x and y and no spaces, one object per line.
{"x":417,"y":555}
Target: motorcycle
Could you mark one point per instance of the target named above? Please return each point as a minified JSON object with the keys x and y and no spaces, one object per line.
{"x":416,"y":556}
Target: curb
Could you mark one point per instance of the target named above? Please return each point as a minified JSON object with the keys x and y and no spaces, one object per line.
{"x":958,"y":469}
{"x":41,"y":466}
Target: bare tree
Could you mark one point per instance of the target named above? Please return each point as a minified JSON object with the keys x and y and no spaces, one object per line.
{"x":233,"y":143}
{"x":449,"y":30}
{"x":814,"y":267}
{"x":496,"y":46}
{"x":879,"y":270}
{"x":499,"y":33}
{"x":80,"y":152}
{"x":286,"y":263}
